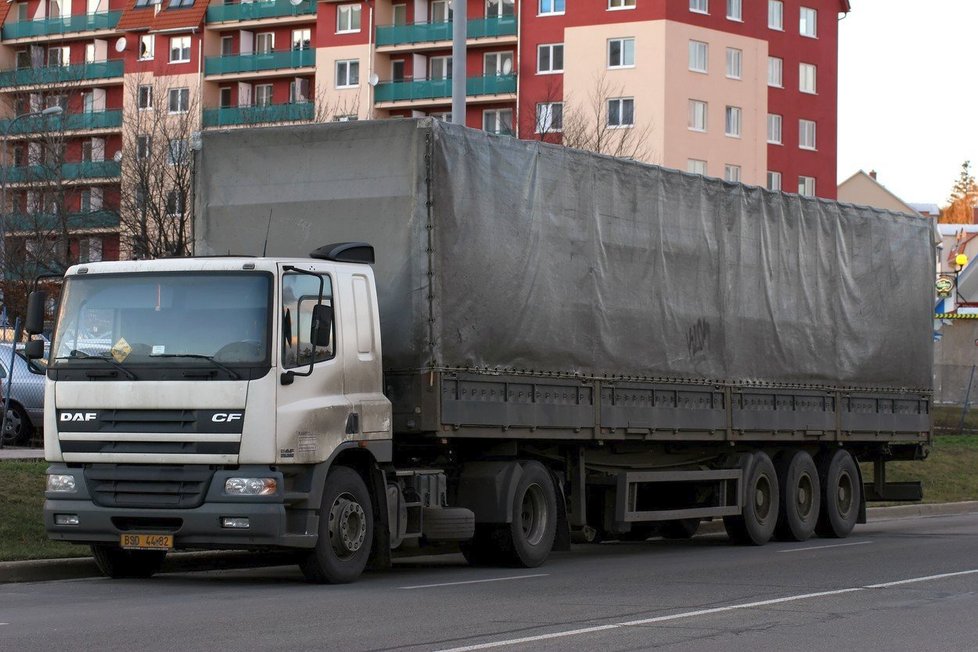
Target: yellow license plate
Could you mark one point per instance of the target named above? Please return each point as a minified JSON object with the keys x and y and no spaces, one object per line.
{"x":146,"y":541}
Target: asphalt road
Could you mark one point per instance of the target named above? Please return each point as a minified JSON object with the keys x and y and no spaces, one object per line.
{"x":909,"y":584}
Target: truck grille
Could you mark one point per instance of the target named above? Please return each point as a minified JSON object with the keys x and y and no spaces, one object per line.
{"x":159,"y":487}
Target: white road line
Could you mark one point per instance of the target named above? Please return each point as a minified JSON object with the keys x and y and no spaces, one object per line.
{"x":491,"y":579}
{"x":834,"y":545}
{"x":703,"y":612}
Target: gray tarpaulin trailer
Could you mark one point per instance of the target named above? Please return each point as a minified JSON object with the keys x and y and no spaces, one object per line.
{"x":653,"y":338}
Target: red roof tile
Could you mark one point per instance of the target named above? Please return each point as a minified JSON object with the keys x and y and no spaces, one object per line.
{"x":148,"y":18}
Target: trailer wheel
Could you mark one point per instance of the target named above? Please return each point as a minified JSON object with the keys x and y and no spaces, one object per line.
{"x":684,"y":528}
{"x":346,"y":530}
{"x":841,"y":494}
{"x":530,"y":536}
{"x":117,"y":563}
{"x":800,"y":496}
{"x":755,"y":525}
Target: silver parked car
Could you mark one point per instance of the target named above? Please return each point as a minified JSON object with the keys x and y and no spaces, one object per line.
{"x":26,"y":412}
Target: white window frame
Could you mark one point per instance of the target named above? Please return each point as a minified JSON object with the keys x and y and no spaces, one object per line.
{"x":775,"y":72}
{"x":698,"y":50}
{"x":346,"y":16}
{"x":626,"y":45}
{"x":178,"y":151}
{"x":733,"y":118}
{"x":774,"y":180}
{"x":550,"y":48}
{"x":735,"y":63}
{"x":263,"y":89}
{"x":806,"y":186}
{"x":698,"y":118}
{"x":699,"y":6}
{"x":619,"y":5}
{"x":807,"y":134}
{"x":446,"y":63}
{"x":264,"y":42}
{"x":343,"y":69}
{"x":775,"y":15}
{"x":181,"y":94}
{"x":144,"y":97}
{"x":620,"y":103}
{"x":545,"y":114}
{"x":735,"y":10}
{"x":808,"y":22}
{"x":731,"y":173}
{"x":144,"y":147}
{"x":174,"y":203}
{"x":775,"y":129}
{"x":550,"y":7}
{"x":147,"y":47}
{"x":808,"y":78}
{"x":497,"y":117}
{"x":696,"y":166}
{"x":181,"y":46}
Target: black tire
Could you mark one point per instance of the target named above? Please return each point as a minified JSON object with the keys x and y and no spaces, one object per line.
{"x":117,"y":563}
{"x":755,"y":524}
{"x":486,"y":547}
{"x":800,"y":496}
{"x":17,"y":429}
{"x":841,"y":494}
{"x":346,"y":530}
{"x":684,"y":528}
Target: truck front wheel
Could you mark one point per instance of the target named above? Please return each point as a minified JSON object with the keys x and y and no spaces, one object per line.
{"x":117,"y":563}
{"x":346,"y":530}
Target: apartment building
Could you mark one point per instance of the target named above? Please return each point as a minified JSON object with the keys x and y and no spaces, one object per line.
{"x":738,"y":89}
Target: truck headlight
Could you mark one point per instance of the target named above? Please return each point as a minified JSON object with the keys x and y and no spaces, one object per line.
{"x":62,"y":484}
{"x":250,"y":486}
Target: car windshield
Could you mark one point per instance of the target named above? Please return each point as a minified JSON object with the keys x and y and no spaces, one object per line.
{"x":155,"y":319}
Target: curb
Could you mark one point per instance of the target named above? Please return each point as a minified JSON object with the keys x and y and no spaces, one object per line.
{"x":43,"y":570}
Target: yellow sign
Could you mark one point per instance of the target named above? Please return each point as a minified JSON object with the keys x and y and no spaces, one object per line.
{"x":121,"y":350}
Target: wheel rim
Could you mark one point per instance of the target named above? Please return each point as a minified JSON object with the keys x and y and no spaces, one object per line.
{"x":347,"y":526}
{"x":12,"y":426}
{"x":533,"y":514}
{"x":844,"y":495}
{"x":805,"y":498}
{"x":762,"y":498}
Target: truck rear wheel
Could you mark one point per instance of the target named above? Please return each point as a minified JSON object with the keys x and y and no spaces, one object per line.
{"x":755,"y":524}
{"x":841,"y":494}
{"x":346,"y":530}
{"x":800,"y":496}
{"x":117,"y":563}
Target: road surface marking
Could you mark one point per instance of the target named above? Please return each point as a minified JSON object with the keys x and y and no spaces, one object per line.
{"x":834,"y":545}
{"x":703,"y":612}
{"x":491,"y":579}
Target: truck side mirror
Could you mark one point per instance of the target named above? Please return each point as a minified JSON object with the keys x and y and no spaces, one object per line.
{"x":34,"y":350}
{"x":34,"y":324}
{"x":322,"y":324}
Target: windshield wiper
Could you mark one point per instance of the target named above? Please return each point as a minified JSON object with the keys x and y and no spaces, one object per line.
{"x":198,"y":356}
{"x":81,"y":355}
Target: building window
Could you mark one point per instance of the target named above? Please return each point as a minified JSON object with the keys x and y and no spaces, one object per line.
{"x":179,"y":100}
{"x":145,"y":97}
{"x":731,"y":173}
{"x":621,"y":112}
{"x":147,"y":45}
{"x":697,"y":115}
{"x":735,"y":10}
{"x":397,"y":70}
{"x":621,"y":53}
{"x":440,"y":68}
{"x":89,"y":250}
{"x":299,"y":91}
{"x":735,"y":60}
{"x":348,"y":73}
{"x":495,"y":64}
{"x":696,"y":166}
{"x":440,"y":11}
{"x":731,"y":122}
{"x":264,"y":42}
{"x":698,"y":56}
{"x":806,"y":78}
{"x":263,"y":95}
{"x":22,"y":12}
{"x":775,"y":72}
{"x":806,"y":186}
{"x":224,"y":101}
{"x":144,"y":147}
{"x":808,"y":22}
{"x":775,"y":15}
{"x":498,"y":121}
{"x":174,"y":203}
{"x":550,"y":117}
{"x":550,"y":58}
{"x":499,"y":8}
{"x":551,"y":7}
{"x":806,"y":134}
{"x":774,"y":128}
{"x":621,"y":4}
{"x":346,"y":118}
{"x":773,"y":180}
{"x":179,"y":49}
{"x":59,"y":56}
{"x":178,"y":152}
{"x":347,"y":18}
{"x":699,"y":6}
{"x":301,"y":39}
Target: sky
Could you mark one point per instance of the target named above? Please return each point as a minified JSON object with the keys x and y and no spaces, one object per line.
{"x":908,"y":94}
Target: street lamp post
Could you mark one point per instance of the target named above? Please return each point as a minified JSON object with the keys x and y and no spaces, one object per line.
{"x":51,"y":110}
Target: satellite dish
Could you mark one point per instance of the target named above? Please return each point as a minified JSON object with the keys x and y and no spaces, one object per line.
{"x":120,"y":44}
{"x":295,"y":3}
{"x":117,"y":157}
{"x":374,"y":79}
{"x":507,"y":66}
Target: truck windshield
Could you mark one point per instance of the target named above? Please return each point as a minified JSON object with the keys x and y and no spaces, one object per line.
{"x":156,"y":319}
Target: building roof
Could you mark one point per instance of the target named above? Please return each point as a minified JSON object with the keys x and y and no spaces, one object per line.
{"x":879,"y":191}
{"x":846,"y":7}
{"x":929,"y":209}
{"x":162,"y":17}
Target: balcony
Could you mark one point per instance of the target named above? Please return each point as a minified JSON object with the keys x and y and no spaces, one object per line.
{"x":100,"y":219}
{"x":434,"y":89}
{"x":231,"y":116}
{"x":67,"y":172}
{"x":259,"y":10}
{"x":388,"y":35}
{"x":111,"y":119}
{"x":249,"y":63}
{"x":63,"y":25}
{"x":61,"y":74}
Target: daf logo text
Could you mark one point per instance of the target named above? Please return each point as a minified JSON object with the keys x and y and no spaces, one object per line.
{"x":79,"y":416}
